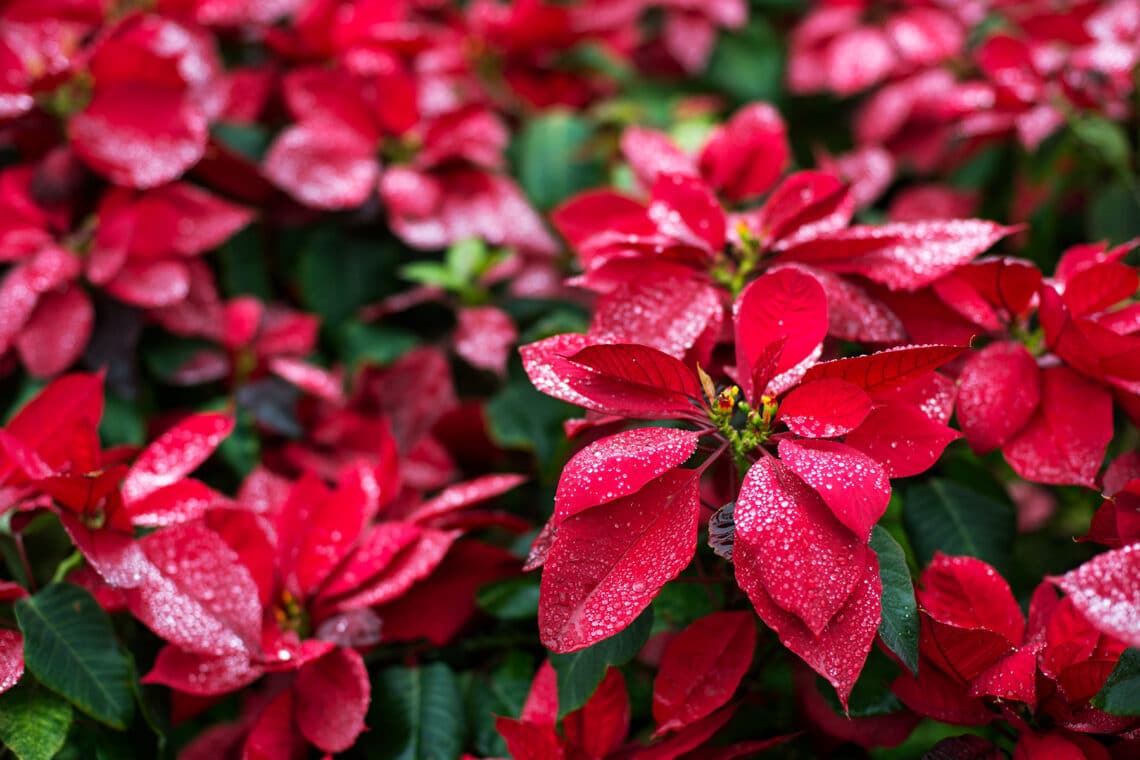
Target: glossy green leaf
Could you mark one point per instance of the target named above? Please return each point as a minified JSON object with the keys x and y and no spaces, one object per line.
{"x":941,"y":515}
{"x":899,"y":625}
{"x":421,"y":712}
{"x":511,"y":599}
{"x":500,"y":692}
{"x":33,"y":721}
{"x":554,"y":158}
{"x":70,"y":647}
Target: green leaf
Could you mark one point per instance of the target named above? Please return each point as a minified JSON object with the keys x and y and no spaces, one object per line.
{"x":1104,"y":138}
{"x":122,"y":423}
{"x":899,"y":625}
{"x":520,"y":417}
{"x":1114,"y":213}
{"x":243,"y":268}
{"x":430,"y":273}
{"x":748,"y":63}
{"x":421,"y":711}
{"x":360,"y":343}
{"x":33,"y":721}
{"x":241,"y":449}
{"x":579,"y":673}
{"x":70,"y":646}
{"x":245,"y":139}
{"x":339,"y":274}
{"x":512,"y":599}
{"x":872,"y":696}
{"x":501,"y":692}
{"x":466,"y":259}
{"x":941,"y":515}
{"x":554,"y":160}
{"x":1121,"y":692}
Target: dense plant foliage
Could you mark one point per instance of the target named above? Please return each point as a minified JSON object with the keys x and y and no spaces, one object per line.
{"x":794,"y":342}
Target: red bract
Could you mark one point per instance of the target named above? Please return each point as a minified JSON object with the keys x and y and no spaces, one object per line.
{"x":169,"y":67}
{"x":977,"y":652}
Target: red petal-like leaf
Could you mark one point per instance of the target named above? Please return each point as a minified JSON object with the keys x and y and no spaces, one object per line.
{"x":651,"y":153}
{"x":781,"y":304}
{"x":636,"y":380}
{"x":541,"y":704}
{"x":139,"y":147}
{"x":373,"y":555}
{"x":43,"y":424}
{"x":885,"y":369}
{"x":179,"y":502}
{"x":840,"y":649}
{"x":965,"y":592}
{"x":57,"y":332}
{"x":600,"y":726}
{"x":316,"y":528}
{"x":902,"y":439}
{"x":531,"y":741}
{"x":11,"y":659}
{"x":701,"y":668}
{"x":902,"y":256}
{"x":548,"y":368}
{"x":323,"y":164}
{"x":1106,"y":590}
{"x":618,"y":466}
{"x":463,"y":495}
{"x":939,"y":696}
{"x":825,"y":408}
{"x":607,"y":564}
{"x":413,"y":563}
{"x":852,"y":484}
{"x":670,"y":315}
{"x":1065,"y":441}
{"x":999,"y":390}
{"x":684,"y":209}
{"x":151,"y":284}
{"x":202,"y":675}
{"x":330,"y":700}
{"x":175,"y":454}
{"x":196,"y":594}
{"x":1012,"y":678}
{"x":789,"y":545}
{"x":275,"y":736}
{"x":484,"y":337}
{"x":1099,"y":287}
{"x":746,"y":156}
{"x":183,"y":219}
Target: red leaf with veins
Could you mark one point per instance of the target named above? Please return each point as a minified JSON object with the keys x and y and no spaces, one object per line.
{"x":619,"y":465}
{"x":636,"y":380}
{"x":839,"y":651}
{"x":11,"y":659}
{"x":852,"y":484}
{"x":1065,"y":440}
{"x":1106,"y":590}
{"x":373,"y":554}
{"x":805,"y":205}
{"x":999,"y":390}
{"x":744,"y":157}
{"x":600,"y":726}
{"x":330,"y":700}
{"x":932,"y":394}
{"x":548,"y":367}
{"x":701,"y":668}
{"x":781,"y":304}
{"x":175,"y":454}
{"x":886,"y":369}
{"x":902,"y":256}
{"x":195,"y":592}
{"x":1012,"y":678}
{"x":607,"y":564}
{"x":902,"y":439}
{"x":852,"y":313}
{"x":825,"y":408}
{"x":530,"y":741}
{"x":1099,"y":287}
{"x":965,"y":592}
{"x":790,"y":545}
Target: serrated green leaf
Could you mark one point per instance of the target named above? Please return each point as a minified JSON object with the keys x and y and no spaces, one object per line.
{"x":1121,"y":692}
{"x":553,"y":158}
{"x":579,"y":673}
{"x":33,"y":721}
{"x":899,"y":625}
{"x":511,"y":599}
{"x":941,"y":515}
{"x":421,"y":711}
{"x":70,"y":647}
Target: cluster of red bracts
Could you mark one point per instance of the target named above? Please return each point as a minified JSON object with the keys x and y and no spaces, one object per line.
{"x":293,"y":576}
{"x":818,"y":440}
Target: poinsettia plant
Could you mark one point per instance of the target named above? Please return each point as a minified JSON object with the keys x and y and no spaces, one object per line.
{"x":569,"y":379}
